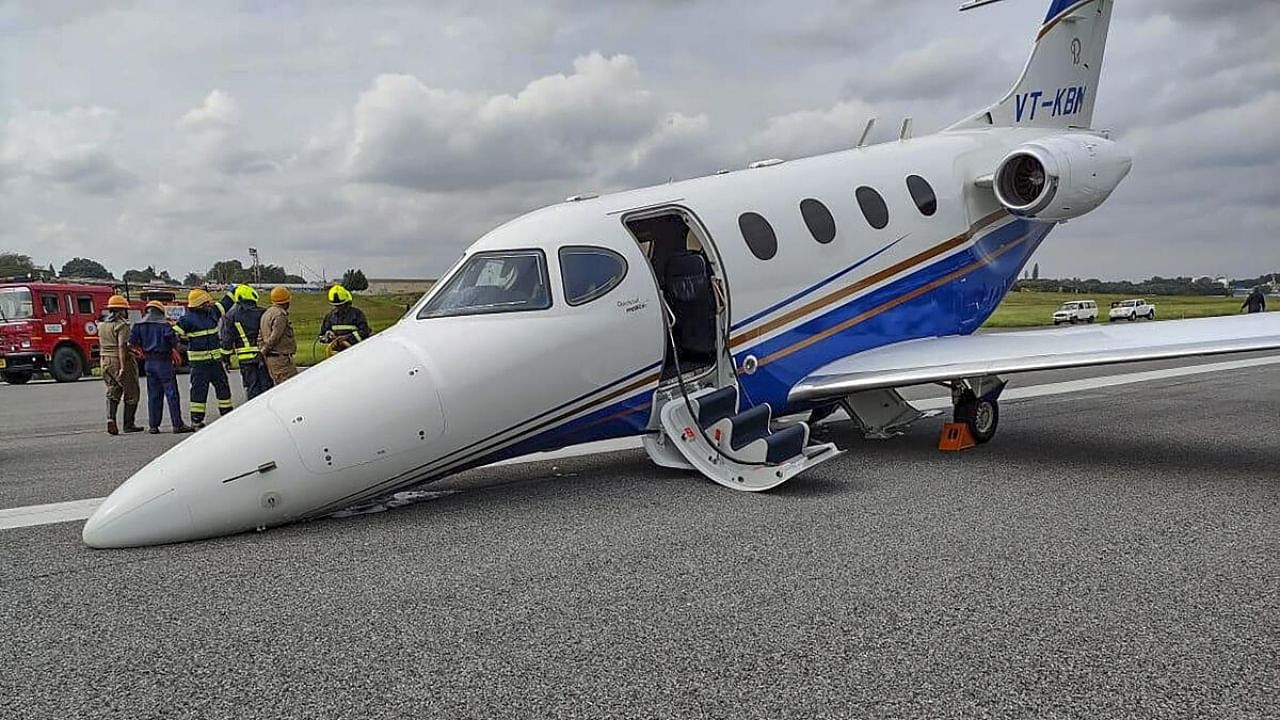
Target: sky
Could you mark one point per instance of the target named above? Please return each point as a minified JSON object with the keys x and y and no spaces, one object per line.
{"x":391,"y":135}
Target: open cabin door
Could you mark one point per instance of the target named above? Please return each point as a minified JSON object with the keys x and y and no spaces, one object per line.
{"x":694,"y":297}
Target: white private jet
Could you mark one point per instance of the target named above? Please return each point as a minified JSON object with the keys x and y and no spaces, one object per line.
{"x":692,"y":313}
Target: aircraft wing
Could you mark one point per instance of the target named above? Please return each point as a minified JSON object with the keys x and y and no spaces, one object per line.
{"x":942,"y":359}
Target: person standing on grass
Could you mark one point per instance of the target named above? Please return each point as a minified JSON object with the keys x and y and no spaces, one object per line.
{"x":1256,"y":302}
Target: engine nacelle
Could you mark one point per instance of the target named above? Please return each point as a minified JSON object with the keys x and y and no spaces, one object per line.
{"x":1060,"y":177}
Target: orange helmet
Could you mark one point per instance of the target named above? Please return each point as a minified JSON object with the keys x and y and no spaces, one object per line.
{"x":280,"y":295}
{"x":156,"y":304}
{"x":117,"y":302}
{"x":198,"y":297}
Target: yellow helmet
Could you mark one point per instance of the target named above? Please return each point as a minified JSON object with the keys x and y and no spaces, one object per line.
{"x":339,"y":295}
{"x":198,"y":297}
{"x":280,"y":295}
{"x":155,"y":304}
{"x":117,"y":302}
{"x":244,"y":292}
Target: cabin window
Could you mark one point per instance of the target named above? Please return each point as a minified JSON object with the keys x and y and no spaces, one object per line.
{"x":818,"y":218}
{"x":759,"y":235}
{"x":50,"y":304}
{"x":84,"y":304}
{"x":922,"y":193}
{"x":493,"y":282}
{"x":589,"y":273}
{"x":873,"y":207}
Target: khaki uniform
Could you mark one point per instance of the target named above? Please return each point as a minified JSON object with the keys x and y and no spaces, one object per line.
{"x":278,"y":344}
{"x":121,"y":379}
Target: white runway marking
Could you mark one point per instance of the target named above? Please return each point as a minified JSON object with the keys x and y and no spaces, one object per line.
{"x":81,"y":509}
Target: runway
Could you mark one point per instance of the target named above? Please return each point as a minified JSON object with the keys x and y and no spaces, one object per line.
{"x":1115,"y":553}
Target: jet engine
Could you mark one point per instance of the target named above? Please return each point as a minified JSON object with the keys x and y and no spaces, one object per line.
{"x":1060,"y":177}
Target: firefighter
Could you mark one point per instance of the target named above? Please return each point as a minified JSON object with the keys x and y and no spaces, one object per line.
{"x":277,"y":342}
{"x":119,"y":369}
{"x":240,"y":336}
{"x":345,"y":325}
{"x":198,"y":330}
{"x":155,"y":338}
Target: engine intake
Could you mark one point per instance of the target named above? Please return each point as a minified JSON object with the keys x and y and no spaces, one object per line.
{"x":1061,"y":177}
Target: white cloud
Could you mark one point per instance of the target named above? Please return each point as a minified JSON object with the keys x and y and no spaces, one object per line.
{"x":212,"y":139}
{"x":72,"y":149}
{"x":596,"y":122}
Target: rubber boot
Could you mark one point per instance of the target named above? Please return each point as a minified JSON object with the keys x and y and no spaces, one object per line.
{"x":130,"y":414}
{"x":112,"y":407}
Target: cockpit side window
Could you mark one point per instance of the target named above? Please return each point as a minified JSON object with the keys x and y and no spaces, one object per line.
{"x":501,"y":281}
{"x":590,"y":273}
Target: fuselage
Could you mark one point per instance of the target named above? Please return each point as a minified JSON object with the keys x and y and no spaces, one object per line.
{"x":435,"y":395}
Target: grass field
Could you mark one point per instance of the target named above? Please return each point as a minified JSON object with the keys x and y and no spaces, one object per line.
{"x":307,"y":311}
{"x":1029,"y":309}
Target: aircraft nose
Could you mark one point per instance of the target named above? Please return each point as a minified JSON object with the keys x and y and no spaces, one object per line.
{"x":237,"y":474}
{"x":141,"y":512}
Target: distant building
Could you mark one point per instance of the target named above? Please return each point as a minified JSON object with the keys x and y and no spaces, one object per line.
{"x":399,"y":286}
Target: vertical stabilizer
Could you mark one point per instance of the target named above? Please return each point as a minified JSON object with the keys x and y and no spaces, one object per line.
{"x":1058,"y":87}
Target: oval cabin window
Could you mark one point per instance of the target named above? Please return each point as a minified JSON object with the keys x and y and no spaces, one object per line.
{"x":873,"y":207}
{"x":922,"y":193}
{"x":759,"y":235}
{"x":818,"y":218}
{"x":589,"y":273}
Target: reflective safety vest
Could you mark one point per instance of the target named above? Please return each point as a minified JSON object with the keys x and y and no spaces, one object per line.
{"x":198,"y":329}
{"x":240,"y":331}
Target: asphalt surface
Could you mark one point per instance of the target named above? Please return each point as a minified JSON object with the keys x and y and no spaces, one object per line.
{"x":1112,"y":554}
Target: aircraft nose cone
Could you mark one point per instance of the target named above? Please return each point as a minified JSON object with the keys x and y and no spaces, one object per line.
{"x":142,"y":513}
{"x":232,"y":476}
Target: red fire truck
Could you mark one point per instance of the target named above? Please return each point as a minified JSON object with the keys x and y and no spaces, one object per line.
{"x":53,"y":327}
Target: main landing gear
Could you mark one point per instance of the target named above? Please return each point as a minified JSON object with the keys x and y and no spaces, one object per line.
{"x":975,"y":402}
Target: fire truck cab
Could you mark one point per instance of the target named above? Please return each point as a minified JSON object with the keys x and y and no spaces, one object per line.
{"x":50,"y":327}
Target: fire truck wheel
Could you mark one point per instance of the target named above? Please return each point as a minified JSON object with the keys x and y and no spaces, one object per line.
{"x":67,"y":365}
{"x":17,"y":378}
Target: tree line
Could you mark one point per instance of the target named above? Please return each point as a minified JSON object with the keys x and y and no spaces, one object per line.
{"x":223,"y":272}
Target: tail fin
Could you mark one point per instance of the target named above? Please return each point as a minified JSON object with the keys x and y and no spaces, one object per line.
{"x":1059,"y":84}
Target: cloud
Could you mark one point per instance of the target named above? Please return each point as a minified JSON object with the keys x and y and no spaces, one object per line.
{"x":212,"y":139}
{"x":810,"y":132}
{"x":71,"y":149}
{"x":596,"y":122}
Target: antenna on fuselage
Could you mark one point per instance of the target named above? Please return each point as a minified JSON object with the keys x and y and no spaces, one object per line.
{"x":866,"y":132}
{"x":906,"y":129}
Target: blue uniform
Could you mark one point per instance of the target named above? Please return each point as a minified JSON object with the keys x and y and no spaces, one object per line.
{"x":155,"y":338}
{"x":198,"y":330}
{"x":240,"y":337}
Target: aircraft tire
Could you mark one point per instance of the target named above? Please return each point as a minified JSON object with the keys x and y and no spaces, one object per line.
{"x":982,"y":417}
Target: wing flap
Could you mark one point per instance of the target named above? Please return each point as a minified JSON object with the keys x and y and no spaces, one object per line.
{"x":941,"y":359}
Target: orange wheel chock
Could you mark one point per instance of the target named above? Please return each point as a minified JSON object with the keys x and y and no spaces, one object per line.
{"x":956,"y":436}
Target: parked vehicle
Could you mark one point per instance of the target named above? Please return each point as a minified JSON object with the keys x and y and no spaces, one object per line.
{"x":1076,"y":311}
{"x":50,"y":327}
{"x":53,"y":327}
{"x":1131,"y":310}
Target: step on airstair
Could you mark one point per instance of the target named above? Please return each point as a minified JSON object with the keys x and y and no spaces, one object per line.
{"x":739,"y":450}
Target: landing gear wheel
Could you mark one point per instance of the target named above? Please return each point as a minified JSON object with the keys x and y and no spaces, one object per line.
{"x":67,"y":365}
{"x":17,"y":378}
{"x":982,"y":417}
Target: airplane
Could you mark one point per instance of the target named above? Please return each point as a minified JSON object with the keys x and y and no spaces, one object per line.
{"x":694,"y":314}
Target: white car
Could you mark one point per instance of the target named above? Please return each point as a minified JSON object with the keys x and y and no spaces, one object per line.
{"x":1131,"y":310}
{"x":1076,"y":311}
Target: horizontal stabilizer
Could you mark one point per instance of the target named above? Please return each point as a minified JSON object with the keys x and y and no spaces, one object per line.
{"x":943,"y":359}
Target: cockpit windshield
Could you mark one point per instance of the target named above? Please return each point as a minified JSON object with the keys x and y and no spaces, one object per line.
{"x":493,"y":282}
{"x":15,"y":304}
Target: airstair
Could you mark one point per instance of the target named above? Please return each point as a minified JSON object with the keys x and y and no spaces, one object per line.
{"x":740,"y":450}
